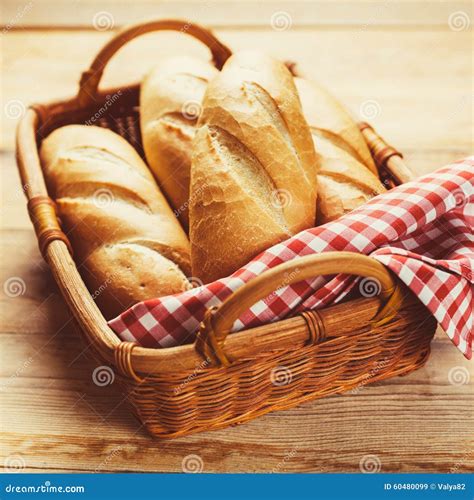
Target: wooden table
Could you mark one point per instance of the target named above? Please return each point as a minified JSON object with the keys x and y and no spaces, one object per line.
{"x":401,"y":63}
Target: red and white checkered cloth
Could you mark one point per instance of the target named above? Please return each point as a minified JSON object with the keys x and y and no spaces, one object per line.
{"x":422,"y":231}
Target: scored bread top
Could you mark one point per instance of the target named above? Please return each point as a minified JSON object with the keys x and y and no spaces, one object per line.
{"x":233,"y":212}
{"x":346,"y":179}
{"x":253,"y":176}
{"x":329,"y":119}
{"x":255,"y":100}
{"x":119,"y":223}
{"x":170,"y":103}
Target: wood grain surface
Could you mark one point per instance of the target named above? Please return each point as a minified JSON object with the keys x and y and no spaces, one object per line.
{"x":405,"y":70}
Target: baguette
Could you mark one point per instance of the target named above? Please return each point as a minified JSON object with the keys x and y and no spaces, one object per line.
{"x":253,"y":175}
{"x":330,"y":120}
{"x":346,"y":179}
{"x":127,"y":242}
{"x":170,"y":102}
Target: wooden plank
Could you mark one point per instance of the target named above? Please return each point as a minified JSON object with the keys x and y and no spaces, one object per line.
{"x":56,"y":419}
{"x":76,"y":425}
{"x":93,"y":14}
{"x":406,"y":83}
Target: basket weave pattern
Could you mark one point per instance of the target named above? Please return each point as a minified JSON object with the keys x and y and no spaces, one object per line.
{"x":215,"y":397}
{"x":181,"y":390}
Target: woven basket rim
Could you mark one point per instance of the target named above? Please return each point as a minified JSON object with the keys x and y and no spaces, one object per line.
{"x":39,"y":120}
{"x":144,"y":359}
{"x":177,"y":391}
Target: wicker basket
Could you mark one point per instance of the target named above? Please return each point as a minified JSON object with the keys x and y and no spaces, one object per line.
{"x":217,"y":381}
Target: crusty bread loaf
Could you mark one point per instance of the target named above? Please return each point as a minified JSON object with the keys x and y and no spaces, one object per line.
{"x":253,"y":176}
{"x":330,"y":120}
{"x":346,"y":178}
{"x":128,"y":244}
{"x":170,"y":102}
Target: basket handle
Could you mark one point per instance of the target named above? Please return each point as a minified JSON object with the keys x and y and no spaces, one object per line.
{"x":219,"y":320}
{"x":90,"y":79}
{"x":386,"y":156}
